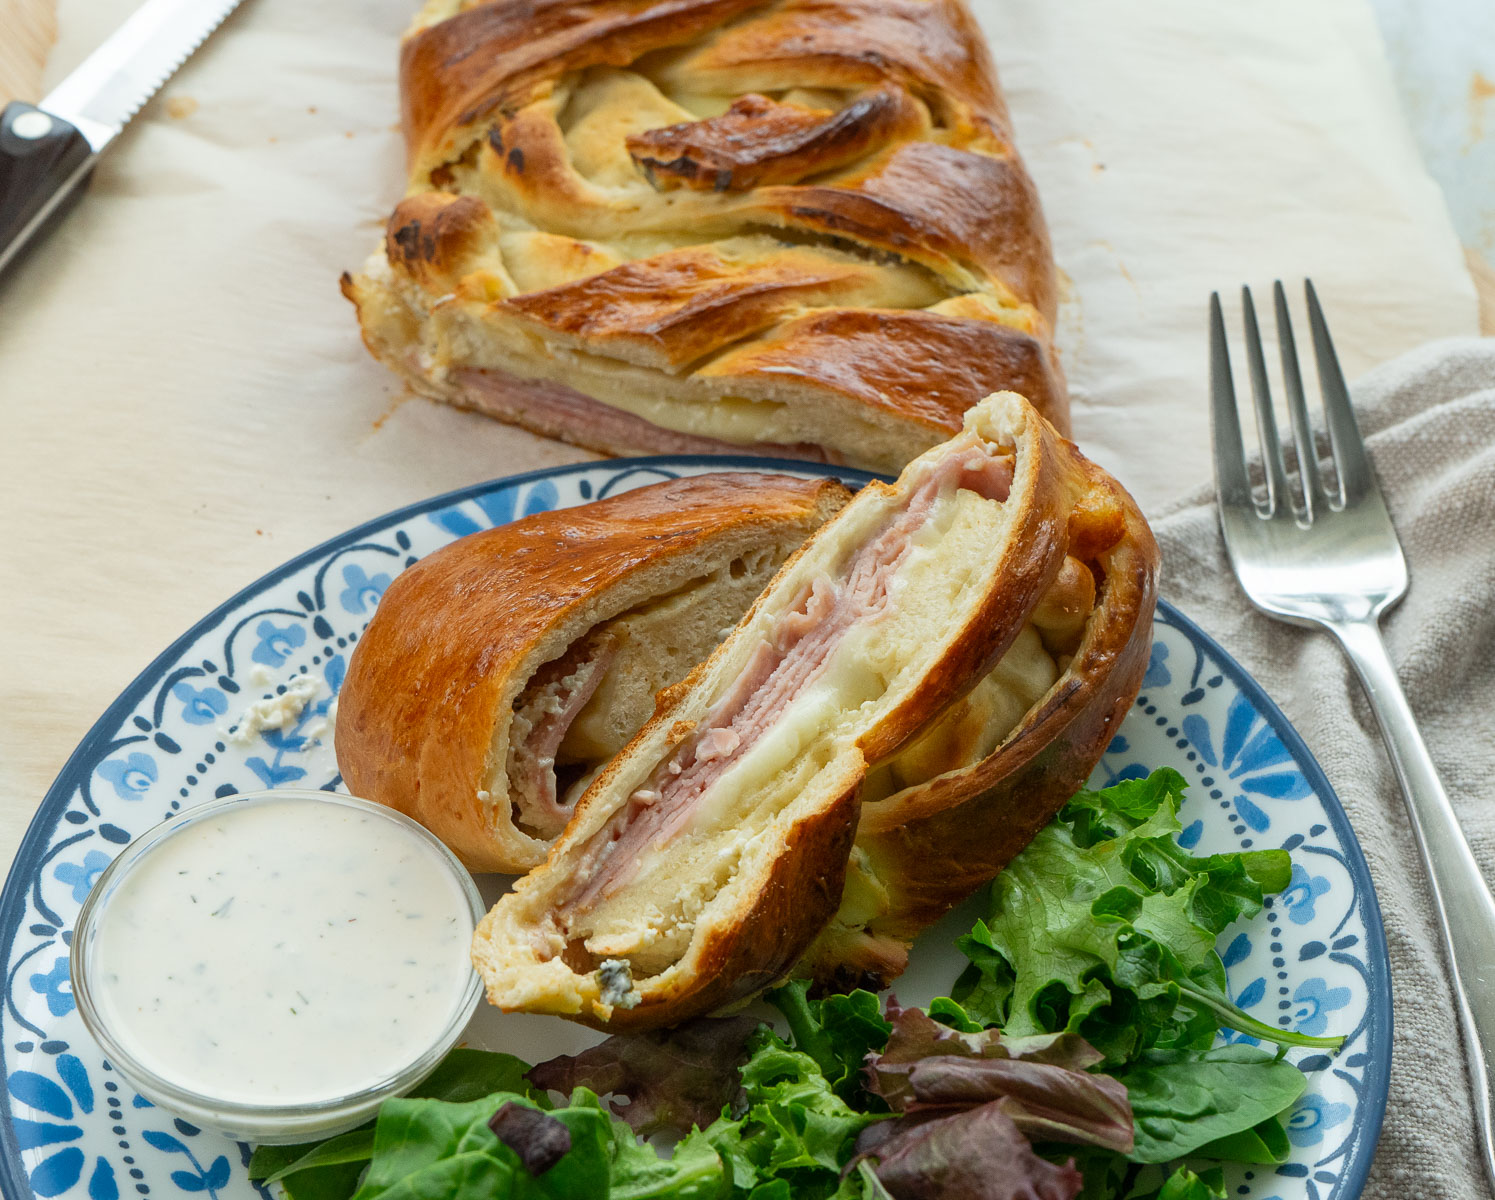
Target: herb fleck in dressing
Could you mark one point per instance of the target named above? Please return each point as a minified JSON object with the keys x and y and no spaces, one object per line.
{"x":283,"y":952}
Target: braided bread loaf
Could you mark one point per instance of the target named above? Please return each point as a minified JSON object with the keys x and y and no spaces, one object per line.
{"x":797,"y":227}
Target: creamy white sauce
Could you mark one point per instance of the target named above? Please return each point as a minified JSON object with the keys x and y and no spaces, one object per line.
{"x":283,"y":952}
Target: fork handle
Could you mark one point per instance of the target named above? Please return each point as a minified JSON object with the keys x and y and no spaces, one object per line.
{"x":1466,"y":909}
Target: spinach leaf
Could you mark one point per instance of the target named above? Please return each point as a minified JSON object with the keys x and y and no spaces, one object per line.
{"x":1263,"y":1143}
{"x":331,"y":1170}
{"x":586,"y":1169}
{"x":1192,"y":1104}
{"x":313,"y":1181}
{"x":354,"y":1147}
{"x":469,"y":1176}
{"x":412,"y":1136}
{"x":467,"y":1074}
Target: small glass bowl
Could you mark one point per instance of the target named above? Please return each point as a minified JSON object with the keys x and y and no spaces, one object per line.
{"x":265,"y":1124}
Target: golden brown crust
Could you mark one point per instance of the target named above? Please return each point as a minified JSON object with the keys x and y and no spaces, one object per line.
{"x":429,"y":677}
{"x":932,"y":48}
{"x":499,"y":54}
{"x":924,"y":368}
{"x":672,"y":308}
{"x":759,"y":141}
{"x":861,"y":144}
{"x":431,"y":234}
{"x":953,"y":210}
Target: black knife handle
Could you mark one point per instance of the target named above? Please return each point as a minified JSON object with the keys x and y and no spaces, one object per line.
{"x":42,"y":160}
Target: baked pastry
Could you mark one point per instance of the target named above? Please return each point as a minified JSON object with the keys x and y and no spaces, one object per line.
{"x":499,"y":671}
{"x":945,"y":814}
{"x":706,"y":857}
{"x":702,"y":225}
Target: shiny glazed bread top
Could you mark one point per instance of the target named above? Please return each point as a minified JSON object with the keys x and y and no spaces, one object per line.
{"x":811,"y":203}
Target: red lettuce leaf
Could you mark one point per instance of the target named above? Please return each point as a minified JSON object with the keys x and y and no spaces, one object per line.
{"x":978,"y":1154}
{"x":1040,"y":1083}
{"x":673,"y":1079}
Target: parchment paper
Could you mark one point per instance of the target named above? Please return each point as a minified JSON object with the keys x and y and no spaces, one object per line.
{"x":184,"y":402}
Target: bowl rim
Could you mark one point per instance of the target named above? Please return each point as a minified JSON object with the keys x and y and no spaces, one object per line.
{"x":171,"y":1094}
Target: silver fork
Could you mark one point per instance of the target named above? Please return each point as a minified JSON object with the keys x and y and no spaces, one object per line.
{"x":1329,"y":558}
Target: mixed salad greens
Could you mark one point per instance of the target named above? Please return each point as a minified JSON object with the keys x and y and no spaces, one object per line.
{"x":1074,"y":1057}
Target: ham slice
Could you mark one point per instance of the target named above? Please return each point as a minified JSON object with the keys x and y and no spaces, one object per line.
{"x":543,"y":713}
{"x":780,"y":671}
{"x":560,"y":411}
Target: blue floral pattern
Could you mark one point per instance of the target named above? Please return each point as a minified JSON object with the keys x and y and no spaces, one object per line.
{"x":1313,"y":960}
{"x":82,"y":876}
{"x":61,"y":1165}
{"x":276,"y":643}
{"x":56,"y":987}
{"x":1158,"y":674}
{"x":1302,"y":894}
{"x":1313,"y":1001}
{"x":131,"y":776}
{"x":362,"y":591}
{"x":1313,"y":1118}
{"x":200,"y":706}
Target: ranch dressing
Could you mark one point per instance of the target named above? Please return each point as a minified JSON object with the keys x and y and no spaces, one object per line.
{"x":283,"y":952}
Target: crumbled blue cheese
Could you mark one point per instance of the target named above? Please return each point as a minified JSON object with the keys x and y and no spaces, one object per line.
{"x":615,"y":976}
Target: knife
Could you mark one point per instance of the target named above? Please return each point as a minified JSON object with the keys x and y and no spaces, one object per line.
{"x":48,"y":150}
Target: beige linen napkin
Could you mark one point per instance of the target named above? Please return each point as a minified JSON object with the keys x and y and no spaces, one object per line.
{"x":1429,"y":419}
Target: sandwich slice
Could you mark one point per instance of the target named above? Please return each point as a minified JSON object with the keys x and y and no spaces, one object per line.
{"x":943,"y":815}
{"x":501,"y":671}
{"x":708,"y":855}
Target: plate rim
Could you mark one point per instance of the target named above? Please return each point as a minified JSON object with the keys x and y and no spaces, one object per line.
{"x":1380,"y":1019}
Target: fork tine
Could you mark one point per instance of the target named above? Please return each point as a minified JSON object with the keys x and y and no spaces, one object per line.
{"x":1355,"y":478}
{"x":1279,"y":499}
{"x":1232,"y":485}
{"x":1297,"y":404}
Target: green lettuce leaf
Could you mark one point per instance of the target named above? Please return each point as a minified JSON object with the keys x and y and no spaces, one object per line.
{"x":1106,"y":927}
{"x":838,"y":1032}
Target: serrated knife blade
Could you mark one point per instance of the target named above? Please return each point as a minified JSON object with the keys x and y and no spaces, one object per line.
{"x":47,"y":150}
{"x":130,"y":67}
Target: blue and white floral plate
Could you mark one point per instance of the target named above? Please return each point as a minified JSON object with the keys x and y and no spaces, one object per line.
{"x":1314,"y":960}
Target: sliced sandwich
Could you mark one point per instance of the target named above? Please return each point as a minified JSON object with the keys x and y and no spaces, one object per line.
{"x":708,"y":855}
{"x":948,"y":811}
{"x":501,"y":671}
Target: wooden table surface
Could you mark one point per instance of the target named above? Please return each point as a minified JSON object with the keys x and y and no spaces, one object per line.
{"x":30,"y":29}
